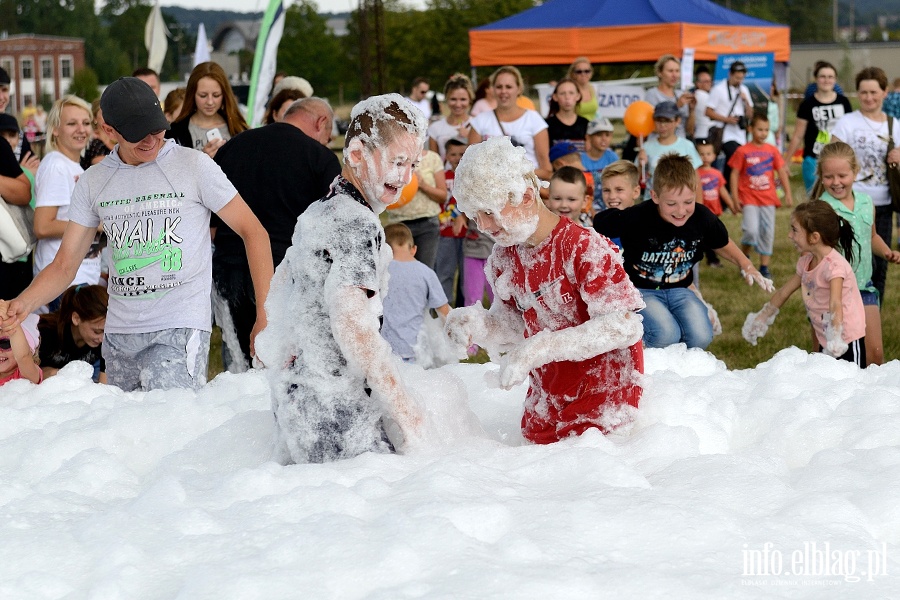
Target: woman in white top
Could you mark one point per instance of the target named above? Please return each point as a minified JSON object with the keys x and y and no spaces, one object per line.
{"x":866,"y":131}
{"x":459,"y":95}
{"x":525,"y":127}
{"x":69,"y":129}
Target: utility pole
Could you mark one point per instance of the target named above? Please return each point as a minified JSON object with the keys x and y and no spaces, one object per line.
{"x":371,"y":46}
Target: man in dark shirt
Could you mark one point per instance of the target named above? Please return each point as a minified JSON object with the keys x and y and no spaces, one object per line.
{"x":279,"y":170}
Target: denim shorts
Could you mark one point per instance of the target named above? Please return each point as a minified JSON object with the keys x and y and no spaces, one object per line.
{"x":157,"y":360}
{"x":869,"y":298}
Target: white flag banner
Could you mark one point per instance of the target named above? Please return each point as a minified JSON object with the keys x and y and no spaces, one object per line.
{"x":201,"y":51}
{"x":155,"y":33}
{"x":265,"y":61}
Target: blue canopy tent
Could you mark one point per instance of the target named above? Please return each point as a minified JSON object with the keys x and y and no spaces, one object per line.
{"x":608,"y":31}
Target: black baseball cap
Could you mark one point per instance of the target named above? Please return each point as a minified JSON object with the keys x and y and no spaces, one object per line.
{"x":738,"y":67}
{"x":8,"y":123}
{"x":131,"y":107}
{"x":4,"y":77}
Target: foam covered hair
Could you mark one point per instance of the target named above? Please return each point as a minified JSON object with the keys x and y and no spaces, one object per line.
{"x":376,"y":109}
{"x":491,"y":174}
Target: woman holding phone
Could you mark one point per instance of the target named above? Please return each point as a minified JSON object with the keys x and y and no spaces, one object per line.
{"x":210,"y":115}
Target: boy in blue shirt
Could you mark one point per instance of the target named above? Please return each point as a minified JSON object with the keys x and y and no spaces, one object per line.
{"x":597,"y":155}
{"x":413,"y":288}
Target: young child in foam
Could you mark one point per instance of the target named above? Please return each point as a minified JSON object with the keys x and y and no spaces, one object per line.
{"x":333,"y":376}
{"x":833,"y":302}
{"x":565,"y":312}
{"x":414,"y":289}
{"x":17,"y":348}
{"x":661,"y":242}
{"x":836,"y":170}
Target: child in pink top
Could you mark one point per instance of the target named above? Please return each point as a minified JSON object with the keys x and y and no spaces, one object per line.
{"x":17,"y":348}
{"x":833,"y":302}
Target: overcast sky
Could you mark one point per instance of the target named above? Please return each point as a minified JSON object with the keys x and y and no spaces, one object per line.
{"x":260,"y":5}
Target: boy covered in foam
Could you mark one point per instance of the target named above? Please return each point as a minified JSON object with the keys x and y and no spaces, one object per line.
{"x":333,"y":376}
{"x":565,"y":312}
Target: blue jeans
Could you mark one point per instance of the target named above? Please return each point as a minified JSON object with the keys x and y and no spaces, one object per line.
{"x":675,"y":315}
{"x":809,"y":172}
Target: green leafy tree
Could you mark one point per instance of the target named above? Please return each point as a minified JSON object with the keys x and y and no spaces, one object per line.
{"x":309,"y":49}
{"x":85,"y":84}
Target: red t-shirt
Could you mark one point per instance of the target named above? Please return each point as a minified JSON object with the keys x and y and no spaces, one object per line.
{"x":712,"y":181}
{"x":572,"y":275}
{"x":757,"y":166}
{"x":449,"y":212}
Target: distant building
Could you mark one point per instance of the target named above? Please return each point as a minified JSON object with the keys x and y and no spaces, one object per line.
{"x":40,"y":66}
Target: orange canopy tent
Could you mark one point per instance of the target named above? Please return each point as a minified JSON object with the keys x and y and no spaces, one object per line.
{"x":609,"y":31}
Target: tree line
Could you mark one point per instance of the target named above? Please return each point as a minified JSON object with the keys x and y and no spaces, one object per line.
{"x":432,"y":42}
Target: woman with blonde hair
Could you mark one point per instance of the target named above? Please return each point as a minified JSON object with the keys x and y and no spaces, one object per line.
{"x":580,"y":71}
{"x":69,"y":129}
{"x":668,"y":70}
{"x":210,"y":115}
{"x":524,"y":127}
{"x":459,"y":95}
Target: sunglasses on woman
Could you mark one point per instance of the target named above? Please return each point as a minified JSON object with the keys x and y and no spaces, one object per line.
{"x":581,"y":71}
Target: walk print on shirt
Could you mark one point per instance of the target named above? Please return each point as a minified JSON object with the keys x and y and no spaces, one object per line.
{"x":139,"y":242}
{"x":671,"y":264}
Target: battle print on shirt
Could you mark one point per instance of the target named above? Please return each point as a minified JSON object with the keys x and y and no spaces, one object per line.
{"x":670,"y":264}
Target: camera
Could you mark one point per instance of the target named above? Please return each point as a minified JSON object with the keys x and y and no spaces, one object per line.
{"x":742,"y":122}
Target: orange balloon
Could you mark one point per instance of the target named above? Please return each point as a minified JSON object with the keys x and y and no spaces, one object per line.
{"x":639,"y":118}
{"x":406,"y":194}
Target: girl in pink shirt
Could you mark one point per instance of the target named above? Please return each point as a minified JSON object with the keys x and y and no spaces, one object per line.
{"x":833,"y":302}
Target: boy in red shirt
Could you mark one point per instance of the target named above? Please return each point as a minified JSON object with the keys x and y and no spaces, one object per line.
{"x":714,"y":190}
{"x":565,"y":311}
{"x":753,"y":168}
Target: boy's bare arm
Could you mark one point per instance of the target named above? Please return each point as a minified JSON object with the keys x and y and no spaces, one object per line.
{"x":237,"y":215}
{"x":52,"y":280}
{"x":355,"y":328}
{"x":732,"y":253}
{"x":733,"y":183}
{"x":729,"y":202}
{"x":785,"y":177}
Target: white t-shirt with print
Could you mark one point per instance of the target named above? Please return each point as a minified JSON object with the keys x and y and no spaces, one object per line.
{"x":869,"y":140}
{"x":53,"y":185}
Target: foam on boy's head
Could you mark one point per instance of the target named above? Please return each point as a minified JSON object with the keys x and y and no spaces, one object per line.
{"x":376,"y":121}
{"x":492,"y":174}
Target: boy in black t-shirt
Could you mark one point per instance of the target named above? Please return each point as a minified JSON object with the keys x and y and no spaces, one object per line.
{"x":661,"y":242}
